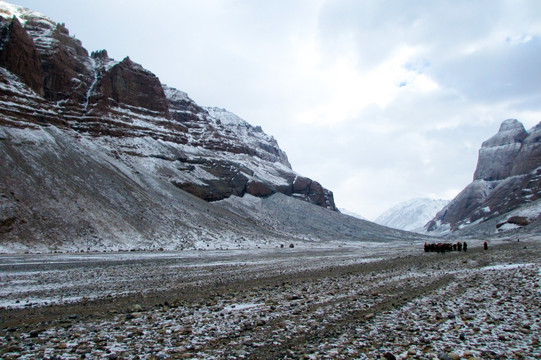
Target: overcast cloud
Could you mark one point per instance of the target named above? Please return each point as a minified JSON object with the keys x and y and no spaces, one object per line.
{"x":380,"y":101}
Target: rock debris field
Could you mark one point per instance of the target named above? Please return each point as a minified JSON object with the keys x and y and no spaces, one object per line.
{"x":374,"y":302}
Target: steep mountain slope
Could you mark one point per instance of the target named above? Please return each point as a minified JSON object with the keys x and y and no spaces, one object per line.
{"x":411,"y":215}
{"x":61,"y":191}
{"x":98,"y":154}
{"x":508,"y":177}
{"x":290,"y":217}
{"x":48,"y":78}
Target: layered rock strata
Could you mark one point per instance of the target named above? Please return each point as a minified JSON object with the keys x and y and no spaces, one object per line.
{"x":508,"y":176}
{"x":47,"y":78}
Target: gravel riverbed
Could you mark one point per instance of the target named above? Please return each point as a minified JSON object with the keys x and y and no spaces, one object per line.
{"x":362,"y":303}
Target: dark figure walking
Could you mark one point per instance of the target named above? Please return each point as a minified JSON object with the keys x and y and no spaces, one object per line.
{"x":485,"y":245}
{"x":465,"y":246}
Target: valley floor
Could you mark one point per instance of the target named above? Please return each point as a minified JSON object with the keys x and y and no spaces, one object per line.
{"x":343,"y":302}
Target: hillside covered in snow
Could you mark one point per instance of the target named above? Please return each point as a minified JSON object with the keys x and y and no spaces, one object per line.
{"x":411,"y":215}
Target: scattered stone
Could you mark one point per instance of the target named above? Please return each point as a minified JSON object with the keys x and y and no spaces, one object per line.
{"x":443,"y":356}
{"x":330,"y":318}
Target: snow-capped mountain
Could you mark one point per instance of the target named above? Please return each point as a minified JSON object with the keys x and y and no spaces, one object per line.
{"x":98,"y":153}
{"x":208,"y":152}
{"x":352,"y":214}
{"x":506,"y":185}
{"x":411,"y":215}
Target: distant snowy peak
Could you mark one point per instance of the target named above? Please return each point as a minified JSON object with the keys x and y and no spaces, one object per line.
{"x":412,"y":214}
{"x":352,"y":214}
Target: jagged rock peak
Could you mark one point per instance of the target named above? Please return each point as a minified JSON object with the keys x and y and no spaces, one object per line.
{"x":510,"y":125}
{"x":100,"y":54}
{"x":130,"y":63}
{"x":498,"y":154}
{"x":128,"y":83}
{"x":511,"y":131}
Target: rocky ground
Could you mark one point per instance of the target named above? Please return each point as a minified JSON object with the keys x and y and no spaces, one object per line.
{"x":324,"y":305}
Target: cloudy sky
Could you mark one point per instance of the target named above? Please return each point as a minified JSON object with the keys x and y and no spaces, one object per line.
{"x":380,"y":101}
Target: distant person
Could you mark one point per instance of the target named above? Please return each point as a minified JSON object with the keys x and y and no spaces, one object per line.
{"x":465,"y":246}
{"x":485,"y":245}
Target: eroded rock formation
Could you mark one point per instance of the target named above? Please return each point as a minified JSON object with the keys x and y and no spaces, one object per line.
{"x":508,"y":176}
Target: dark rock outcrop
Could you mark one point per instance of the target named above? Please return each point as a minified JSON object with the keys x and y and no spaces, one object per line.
{"x":19,"y":55}
{"x":127,"y":84}
{"x":259,"y":189}
{"x":508,"y":176}
{"x":227,"y":180}
{"x":313,"y":192}
{"x":65,"y":64}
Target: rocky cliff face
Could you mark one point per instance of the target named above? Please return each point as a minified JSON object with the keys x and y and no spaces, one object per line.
{"x":498,"y":154}
{"x":19,"y":55}
{"x":125,"y":85}
{"x":47,"y":78}
{"x":507,"y":177}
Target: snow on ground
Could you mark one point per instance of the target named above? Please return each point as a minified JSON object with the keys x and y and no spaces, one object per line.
{"x":474,"y":305}
{"x":478,"y":315}
{"x":37,"y":279}
{"x":530,"y":211}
